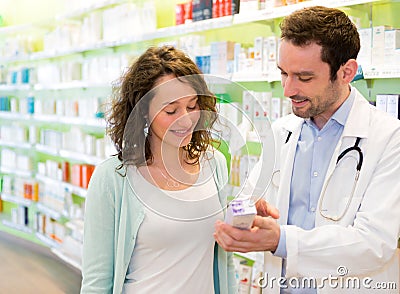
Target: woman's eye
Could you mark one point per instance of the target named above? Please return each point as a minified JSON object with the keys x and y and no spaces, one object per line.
{"x":170,"y":112}
{"x":192,"y":108}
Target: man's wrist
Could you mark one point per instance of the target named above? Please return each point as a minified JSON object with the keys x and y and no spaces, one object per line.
{"x":280,"y":250}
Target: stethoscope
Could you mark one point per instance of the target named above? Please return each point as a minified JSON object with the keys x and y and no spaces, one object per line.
{"x":355,"y":148}
{"x":357,"y":175}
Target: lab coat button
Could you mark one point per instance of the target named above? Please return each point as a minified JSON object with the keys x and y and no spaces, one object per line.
{"x":312,"y":209}
{"x":315,"y":174}
{"x":319,"y":139}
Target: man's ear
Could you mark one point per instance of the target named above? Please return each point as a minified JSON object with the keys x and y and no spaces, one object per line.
{"x":348,"y":70}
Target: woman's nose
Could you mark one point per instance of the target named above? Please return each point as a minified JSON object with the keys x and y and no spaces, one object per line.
{"x":185,"y":120}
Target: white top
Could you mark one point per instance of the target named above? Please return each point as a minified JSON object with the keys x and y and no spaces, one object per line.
{"x":174,"y":248}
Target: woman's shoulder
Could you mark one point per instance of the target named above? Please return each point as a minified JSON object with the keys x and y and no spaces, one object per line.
{"x":214,"y":154}
{"x":109,"y":166}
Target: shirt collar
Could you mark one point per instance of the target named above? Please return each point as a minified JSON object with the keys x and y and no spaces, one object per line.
{"x":342,"y":113}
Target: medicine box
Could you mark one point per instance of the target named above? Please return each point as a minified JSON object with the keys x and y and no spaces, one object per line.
{"x":241,"y":213}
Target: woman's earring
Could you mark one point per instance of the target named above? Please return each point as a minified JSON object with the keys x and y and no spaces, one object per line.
{"x":146,"y":129}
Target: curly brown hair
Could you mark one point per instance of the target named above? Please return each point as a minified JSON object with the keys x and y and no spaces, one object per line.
{"x":138,"y":82}
{"x":327,"y":27}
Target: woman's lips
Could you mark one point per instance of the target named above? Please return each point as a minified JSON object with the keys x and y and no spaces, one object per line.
{"x":181,"y":133}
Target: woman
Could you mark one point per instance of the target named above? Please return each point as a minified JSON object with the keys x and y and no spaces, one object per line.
{"x":150,"y":209}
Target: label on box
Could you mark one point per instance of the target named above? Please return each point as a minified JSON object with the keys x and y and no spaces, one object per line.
{"x":241,"y":213}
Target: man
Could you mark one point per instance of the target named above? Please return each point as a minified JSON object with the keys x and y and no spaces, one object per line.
{"x":336,"y":181}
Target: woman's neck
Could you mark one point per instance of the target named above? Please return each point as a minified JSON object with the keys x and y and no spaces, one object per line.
{"x":171,"y":169}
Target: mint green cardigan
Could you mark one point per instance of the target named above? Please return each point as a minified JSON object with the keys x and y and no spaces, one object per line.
{"x":113,"y":215}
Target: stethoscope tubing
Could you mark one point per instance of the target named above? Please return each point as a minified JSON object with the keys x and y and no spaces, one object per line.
{"x":356,"y":148}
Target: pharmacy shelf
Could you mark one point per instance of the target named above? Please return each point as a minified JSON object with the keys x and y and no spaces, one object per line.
{"x":273,"y":76}
{"x":26,"y":27}
{"x":70,"y":252}
{"x":235,"y":77}
{"x":79,"y":191}
{"x":79,"y":13}
{"x":20,"y":145}
{"x":380,"y":72}
{"x":190,"y":28}
{"x":15,"y":171}
{"x":79,"y":121}
{"x":14,"y":116}
{"x":13,"y":87}
{"x":16,"y":199}
{"x":72,"y":155}
{"x":77,"y":226}
{"x":53,"y":118}
{"x":55,"y":86}
{"x":54,"y":214}
{"x":47,"y":240}
{"x":90,"y":159}
{"x":47,"y":149}
{"x":271,"y":13}
{"x":63,"y":255}
{"x":46,"y":179}
{"x":17,"y":227}
{"x":71,"y":85}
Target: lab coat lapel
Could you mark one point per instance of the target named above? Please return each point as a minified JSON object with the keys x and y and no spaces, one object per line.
{"x":287,"y":154}
{"x":356,"y":126}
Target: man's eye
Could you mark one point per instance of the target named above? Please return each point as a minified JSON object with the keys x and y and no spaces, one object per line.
{"x":305,"y":79}
{"x":192,"y":108}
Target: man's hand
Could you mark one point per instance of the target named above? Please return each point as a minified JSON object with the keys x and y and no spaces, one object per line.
{"x":266,"y":209}
{"x":263,"y":236}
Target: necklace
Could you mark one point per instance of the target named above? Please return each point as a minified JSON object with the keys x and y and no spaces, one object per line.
{"x":170,"y":182}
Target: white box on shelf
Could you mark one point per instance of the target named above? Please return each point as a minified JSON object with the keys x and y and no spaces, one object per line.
{"x":381,"y":102}
{"x":393,"y":105}
{"x":258,"y":54}
{"x":365,"y":55}
{"x":261,"y":112}
{"x":378,"y":44}
{"x":392,"y":48}
{"x":276,"y":108}
{"x":247,"y":106}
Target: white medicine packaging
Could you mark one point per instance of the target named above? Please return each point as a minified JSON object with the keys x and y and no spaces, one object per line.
{"x":241,"y":213}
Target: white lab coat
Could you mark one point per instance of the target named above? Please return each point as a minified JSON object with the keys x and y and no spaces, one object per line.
{"x":365,"y":241}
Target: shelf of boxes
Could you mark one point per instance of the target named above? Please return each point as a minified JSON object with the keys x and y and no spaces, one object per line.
{"x":189,"y":28}
{"x":273,"y":12}
{"x":79,"y":191}
{"x":66,"y":154}
{"x":16,"y":199}
{"x":53,"y":213}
